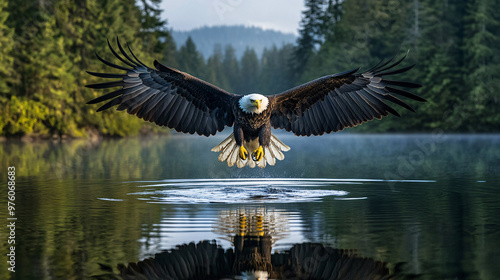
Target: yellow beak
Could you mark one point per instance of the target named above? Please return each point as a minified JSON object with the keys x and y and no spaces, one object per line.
{"x":256,"y":103}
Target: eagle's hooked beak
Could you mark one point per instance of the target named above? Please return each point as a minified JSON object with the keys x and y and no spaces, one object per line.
{"x":256,"y":103}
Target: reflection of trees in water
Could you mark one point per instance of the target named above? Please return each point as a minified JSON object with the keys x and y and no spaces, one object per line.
{"x":333,"y":156}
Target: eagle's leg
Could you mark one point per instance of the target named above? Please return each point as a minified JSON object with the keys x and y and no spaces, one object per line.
{"x":238,"y":137}
{"x":258,"y":154}
{"x":243,"y":152}
{"x":264,"y":141}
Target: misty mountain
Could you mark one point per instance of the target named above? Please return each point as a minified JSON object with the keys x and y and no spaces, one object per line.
{"x":239,"y":36}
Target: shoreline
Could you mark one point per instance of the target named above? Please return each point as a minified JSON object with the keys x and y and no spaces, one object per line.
{"x":95,"y":138}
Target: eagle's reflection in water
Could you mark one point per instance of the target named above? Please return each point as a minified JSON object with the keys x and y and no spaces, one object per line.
{"x":250,"y":233}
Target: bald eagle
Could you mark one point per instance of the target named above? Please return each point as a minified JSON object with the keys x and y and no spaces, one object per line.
{"x":171,"y":98}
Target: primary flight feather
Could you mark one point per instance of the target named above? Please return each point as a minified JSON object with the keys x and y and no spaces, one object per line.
{"x":172,"y":98}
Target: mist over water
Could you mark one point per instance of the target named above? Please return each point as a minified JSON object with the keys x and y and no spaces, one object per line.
{"x":430,"y":201}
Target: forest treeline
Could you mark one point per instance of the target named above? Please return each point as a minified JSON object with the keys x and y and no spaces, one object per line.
{"x":46,"y":46}
{"x":239,"y":37}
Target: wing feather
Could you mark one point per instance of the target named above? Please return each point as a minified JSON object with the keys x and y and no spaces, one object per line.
{"x":365,"y":109}
{"x":165,"y":96}
{"x":171,"y":110}
{"x":143,"y":113}
{"x":324,"y":115}
{"x":381,"y":69}
{"x":107,"y":84}
{"x":314,"y":121}
{"x":369,"y":101}
{"x":353,"y":106}
{"x":335,"y":110}
{"x":405,"y":93}
{"x":108,"y":105}
{"x":354,"y":116}
{"x":112,"y":64}
{"x":177,"y":117}
{"x":119,"y":57}
{"x":134,"y":103}
{"x":105,"y":97}
{"x":343,"y":112}
{"x":161,"y":107}
{"x":105,"y":75}
{"x":132,"y":95}
{"x":347,"y":99}
{"x":187,"y":117}
{"x":132,"y":53}
{"x":378,"y":104}
{"x":402,"y":84}
{"x":332,"y":116}
{"x":198,"y":122}
{"x":139,"y":103}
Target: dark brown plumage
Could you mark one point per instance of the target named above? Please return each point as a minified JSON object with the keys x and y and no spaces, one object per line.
{"x":166,"y":96}
{"x":169,"y":97}
{"x":206,"y":260}
{"x":334,"y":102}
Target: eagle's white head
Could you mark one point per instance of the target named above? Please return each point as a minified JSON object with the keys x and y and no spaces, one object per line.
{"x":254,"y":103}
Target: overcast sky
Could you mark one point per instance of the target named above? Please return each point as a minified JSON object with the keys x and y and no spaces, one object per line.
{"x":282,"y":15}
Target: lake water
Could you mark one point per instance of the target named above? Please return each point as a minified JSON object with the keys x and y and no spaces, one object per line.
{"x":429,"y":201}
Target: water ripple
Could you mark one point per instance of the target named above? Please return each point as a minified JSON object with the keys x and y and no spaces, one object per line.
{"x":268,"y":190}
{"x":245,"y":190}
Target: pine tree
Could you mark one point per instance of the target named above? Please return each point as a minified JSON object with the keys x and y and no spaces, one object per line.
{"x":170,"y":52}
{"x":275,"y":74}
{"x":231,"y":68}
{"x":87,"y":25}
{"x":332,"y":15}
{"x":311,"y":33}
{"x":56,"y":40}
{"x":215,"y":68}
{"x":40,"y":99}
{"x":152,"y":27}
{"x":249,"y":72}
{"x":6,"y":47}
{"x":440,"y":57}
{"x":7,"y":75}
{"x":482,"y":50}
{"x":191,"y":61}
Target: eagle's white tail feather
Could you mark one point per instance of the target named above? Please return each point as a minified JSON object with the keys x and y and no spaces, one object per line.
{"x":229,"y":152}
{"x":241,"y":162}
{"x":251,"y":163}
{"x":223,"y":144}
{"x":282,"y":146}
{"x":226,"y":147}
{"x":269,"y":156}
{"x":233,"y":156}
{"x":224,"y":155}
{"x":276,"y":151}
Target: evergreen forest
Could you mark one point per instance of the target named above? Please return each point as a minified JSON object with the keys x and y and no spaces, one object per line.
{"x":46,"y":47}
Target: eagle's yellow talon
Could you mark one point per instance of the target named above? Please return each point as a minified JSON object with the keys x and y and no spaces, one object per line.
{"x":243,"y":153}
{"x":258,"y":154}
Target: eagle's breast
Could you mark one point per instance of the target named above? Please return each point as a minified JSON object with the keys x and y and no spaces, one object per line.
{"x":251,"y":121}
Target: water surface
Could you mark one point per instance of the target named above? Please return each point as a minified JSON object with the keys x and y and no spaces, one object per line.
{"x":431,"y":201}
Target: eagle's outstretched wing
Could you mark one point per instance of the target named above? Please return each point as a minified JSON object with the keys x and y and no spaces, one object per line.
{"x":331,"y":103}
{"x":165,"y":96}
